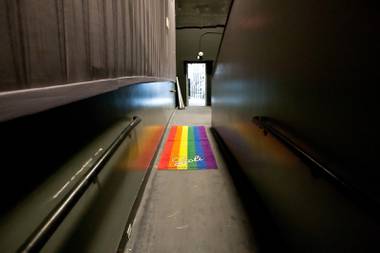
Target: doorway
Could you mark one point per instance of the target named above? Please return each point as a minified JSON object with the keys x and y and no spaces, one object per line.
{"x":197,"y":84}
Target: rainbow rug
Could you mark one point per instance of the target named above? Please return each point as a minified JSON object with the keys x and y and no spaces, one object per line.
{"x":187,"y":148}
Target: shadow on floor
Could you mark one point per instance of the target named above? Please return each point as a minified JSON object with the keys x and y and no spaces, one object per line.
{"x":266,"y":233}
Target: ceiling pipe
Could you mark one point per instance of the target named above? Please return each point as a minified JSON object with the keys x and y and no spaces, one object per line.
{"x":200,"y":52}
{"x":199,"y":27}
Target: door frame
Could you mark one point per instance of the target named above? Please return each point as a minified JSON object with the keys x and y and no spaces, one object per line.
{"x":209,"y":69}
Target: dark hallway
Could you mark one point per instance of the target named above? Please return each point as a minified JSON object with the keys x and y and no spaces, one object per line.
{"x":189,"y":126}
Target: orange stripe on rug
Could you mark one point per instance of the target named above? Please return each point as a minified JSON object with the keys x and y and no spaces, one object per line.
{"x":166,"y":153}
{"x":176,"y":148}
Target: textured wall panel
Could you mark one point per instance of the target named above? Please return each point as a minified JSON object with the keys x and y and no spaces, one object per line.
{"x":77,"y":53}
{"x":48,"y":43}
{"x":8,"y":73}
{"x":97,"y":37}
{"x":43,"y":42}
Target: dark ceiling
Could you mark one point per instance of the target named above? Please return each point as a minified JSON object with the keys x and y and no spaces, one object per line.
{"x":201,"y":12}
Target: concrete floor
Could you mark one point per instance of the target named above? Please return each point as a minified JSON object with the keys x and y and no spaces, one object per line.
{"x":191,"y":211}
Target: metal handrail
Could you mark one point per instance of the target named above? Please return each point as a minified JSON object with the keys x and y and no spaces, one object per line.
{"x":372,"y":204}
{"x":267,"y":126}
{"x":49,"y":225}
{"x":262,"y":122}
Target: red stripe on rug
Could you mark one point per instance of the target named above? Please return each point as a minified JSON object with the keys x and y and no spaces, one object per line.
{"x":166,"y":153}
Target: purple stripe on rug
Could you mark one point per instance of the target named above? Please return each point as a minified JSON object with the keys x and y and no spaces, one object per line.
{"x":209,"y":156}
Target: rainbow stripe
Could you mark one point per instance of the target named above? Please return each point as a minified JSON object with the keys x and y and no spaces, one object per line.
{"x":187,"y":148}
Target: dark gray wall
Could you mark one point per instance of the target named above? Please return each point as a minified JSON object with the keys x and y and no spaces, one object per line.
{"x":312,"y":67}
{"x":44,"y":151}
{"x":187,"y":44}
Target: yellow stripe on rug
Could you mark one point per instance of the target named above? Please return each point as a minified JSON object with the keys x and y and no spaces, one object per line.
{"x":183,"y":150}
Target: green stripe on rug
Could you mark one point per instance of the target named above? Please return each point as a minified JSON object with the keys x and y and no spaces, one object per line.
{"x":191,"y":149}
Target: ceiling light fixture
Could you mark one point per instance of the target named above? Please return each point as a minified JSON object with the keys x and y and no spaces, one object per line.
{"x":200,"y":55}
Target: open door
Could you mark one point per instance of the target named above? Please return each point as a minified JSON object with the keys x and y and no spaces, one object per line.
{"x":197,"y":79}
